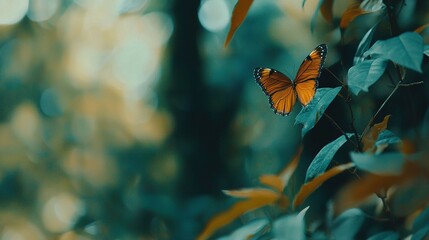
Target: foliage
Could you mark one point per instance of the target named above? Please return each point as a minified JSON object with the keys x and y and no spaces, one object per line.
{"x":385,"y":165}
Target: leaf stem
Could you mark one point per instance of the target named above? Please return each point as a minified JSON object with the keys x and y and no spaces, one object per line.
{"x":393,"y":31}
{"x":347,"y":100}
{"x":379,"y":109}
{"x":410,"y":84}
{"x":340,"y":129}
{"x":352,"y":124}
{"x":336,"y":78}
{"x":392,"y":19}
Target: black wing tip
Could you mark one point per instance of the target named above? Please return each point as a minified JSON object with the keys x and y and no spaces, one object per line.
{"x":257,"y":73}
{"x":323,"y":46}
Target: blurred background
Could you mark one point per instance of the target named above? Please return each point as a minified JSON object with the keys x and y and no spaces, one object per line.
{"x":124,"y":119}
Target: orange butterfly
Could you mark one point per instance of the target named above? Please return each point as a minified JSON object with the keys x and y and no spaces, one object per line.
{"x":282,"y":91}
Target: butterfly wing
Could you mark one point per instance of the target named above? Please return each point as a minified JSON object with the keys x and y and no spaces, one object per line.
{"x":278,"y":87}
{"x":306,"y":80}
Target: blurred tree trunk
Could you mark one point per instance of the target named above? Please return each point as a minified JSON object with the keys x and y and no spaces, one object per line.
{"x":195,"y":138}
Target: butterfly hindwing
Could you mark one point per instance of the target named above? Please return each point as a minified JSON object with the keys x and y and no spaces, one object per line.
{"x":306,"y":80}
{"x":278,"y":87}
{"x":282,"y":91}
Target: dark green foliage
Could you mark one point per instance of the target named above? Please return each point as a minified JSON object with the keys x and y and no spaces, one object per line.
{"x":324,"y":157}
{"x":347,"y":224}
{"x":364,"y":45}
{"x":292,"y":225}
{"x":386,"y":138}
{"x":366,"y":73}
{"x":386,"y":163}
{"x":310,"y":115}
{"x":387,"y":235}
{"x":406,"y":50}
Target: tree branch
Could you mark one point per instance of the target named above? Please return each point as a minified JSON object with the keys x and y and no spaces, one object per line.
{"x":341,"y":130}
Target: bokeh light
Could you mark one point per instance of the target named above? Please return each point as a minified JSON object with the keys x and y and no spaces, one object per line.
{"x":124,"y":119}
{"x":12,"y":12}
{"x":42,"y":10}
{"x":61,"y":211}
{"x":214,"y":15}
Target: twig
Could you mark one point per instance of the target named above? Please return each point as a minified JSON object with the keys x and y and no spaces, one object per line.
{"x":336,"y":78}
{"x":379,"y":109}
{"x":347,"y":100}
{"x":392,"y":19}
{"x":341,"y":130}
{"x":352,"y":124}
{"x":410,"y":84}
{"x":393,"y":26}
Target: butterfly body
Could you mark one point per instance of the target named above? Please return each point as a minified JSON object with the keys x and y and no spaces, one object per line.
{"x":283,"y":91}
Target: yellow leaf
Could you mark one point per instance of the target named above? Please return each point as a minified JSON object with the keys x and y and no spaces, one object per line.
{"x":272,"y":181}
{"x":311,"y":186}
{"x":326,"y":10}
{"x":255,"y":197}
{"x":421,"y":28}
{"x":251,"y":193}
{"x":238,"y":15}
{"x":371,"y":137}
{"x":234,"y":212}
{"x":350,"y":14}
{"x":286,"y":174}
{"x":359,"y":190}
{"x":408,"y":146}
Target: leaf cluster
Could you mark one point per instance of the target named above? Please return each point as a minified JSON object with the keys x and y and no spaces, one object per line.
{"x":385,"y":166}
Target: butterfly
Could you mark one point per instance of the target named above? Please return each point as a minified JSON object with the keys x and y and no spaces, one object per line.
{"x":282,"y":91}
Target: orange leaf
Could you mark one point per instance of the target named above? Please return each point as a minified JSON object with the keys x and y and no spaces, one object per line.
{"x":371,"y":137}
{"x":421,"y":28}
{"x":311,"y":186}
{"x":286,"y":174}
{"x":251,"y":193}
{"x":238,"y":15}
{"x":234,"y":212}
{"x":272,"y":181}
{"x":408,"y":146}
{"x":359,"y":190}
{"x":326,"y":10}
{"x":350,"y":14}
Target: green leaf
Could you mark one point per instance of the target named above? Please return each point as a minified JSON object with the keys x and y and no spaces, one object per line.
{"x":387,"y":163}
{"x":365,"y":74}
{"x":421,"y":221}
{"x":324,"y":157}
{"x":405,"y":50}
{"x":315,"y":14}
{"x":311,"y":114}
{"x":303,"y":3}
{"x":426,"y":51}
{"x":384,"y":139}
{"x":364,"y":45}
{"x":291,"y":226}
{"x":372,"y":5}
{"x":387,"y":235}
{"x":420,"y":234}
{"x":247,"y":230}
{"x":347,"y":224}
{"x":387,"y":137}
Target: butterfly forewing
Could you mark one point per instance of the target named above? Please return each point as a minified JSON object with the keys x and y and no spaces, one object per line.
{"x":278,"y":87}
{"x":282,"y":92}
{"x":306,"y":80}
